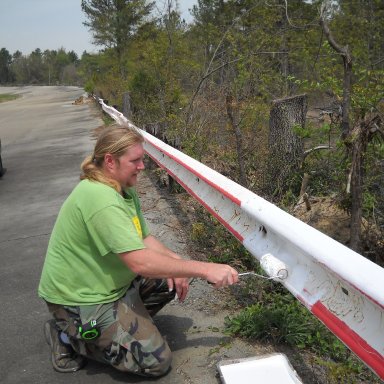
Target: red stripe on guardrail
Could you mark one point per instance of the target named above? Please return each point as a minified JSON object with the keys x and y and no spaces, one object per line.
{"x":358,"y":345}
{"x":202,"y":202}
{"x":199,"y":175}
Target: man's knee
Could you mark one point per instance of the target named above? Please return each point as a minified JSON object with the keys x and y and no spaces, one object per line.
{"x":143,"y":361}
{"x":155,"y":363}
{"x":161,"y":368}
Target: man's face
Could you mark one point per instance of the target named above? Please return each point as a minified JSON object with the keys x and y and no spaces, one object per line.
{"x":128,"y":166}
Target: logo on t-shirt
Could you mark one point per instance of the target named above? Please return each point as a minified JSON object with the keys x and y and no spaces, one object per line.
{"x":136,"y":222}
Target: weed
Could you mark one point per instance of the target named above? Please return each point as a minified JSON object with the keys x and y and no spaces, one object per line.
{"x":223,"y":344}
{"x":281,"y":319}
{"x":199,"y":232}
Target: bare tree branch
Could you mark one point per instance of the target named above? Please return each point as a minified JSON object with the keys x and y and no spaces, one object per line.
{"x":378,"y":62}
{"x":318,"y":148}
{"x":290,"y":22}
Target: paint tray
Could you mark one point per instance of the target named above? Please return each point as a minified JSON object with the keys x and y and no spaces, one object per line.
{"x":266,"y":369}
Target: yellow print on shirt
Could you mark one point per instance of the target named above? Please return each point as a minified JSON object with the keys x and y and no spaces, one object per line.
{"x":136,"y":222}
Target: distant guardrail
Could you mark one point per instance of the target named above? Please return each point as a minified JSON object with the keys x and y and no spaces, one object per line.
{"x":340,"y":287}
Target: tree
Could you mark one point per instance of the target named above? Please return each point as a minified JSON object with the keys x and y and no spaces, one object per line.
{"x":35,"y":67}
{"x":20,"y":68}
{"x":159,"y":65}
{"x":5,"y":63}
{"x":356,"y":135}
{"x":49,"y":58}
{"x":70,"y":75}
{"x":72,"y":57}
{"x":62,"y":59}
{"x":113,"y":23}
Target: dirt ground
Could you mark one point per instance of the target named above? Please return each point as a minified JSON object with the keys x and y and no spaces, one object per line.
{"x":327,"y":217}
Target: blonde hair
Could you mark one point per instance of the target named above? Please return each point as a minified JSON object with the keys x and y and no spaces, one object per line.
{"x":115,"y":139}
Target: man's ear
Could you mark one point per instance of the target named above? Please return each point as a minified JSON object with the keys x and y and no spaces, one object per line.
{"x":109,"y":161}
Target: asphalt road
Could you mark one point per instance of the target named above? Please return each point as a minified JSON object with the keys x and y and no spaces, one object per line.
{"x":45,"y":137}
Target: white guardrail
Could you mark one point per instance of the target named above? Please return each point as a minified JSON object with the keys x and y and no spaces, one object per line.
{"x":340,"y":287}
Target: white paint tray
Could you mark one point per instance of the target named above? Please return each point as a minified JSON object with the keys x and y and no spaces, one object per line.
{"x":266,"y":369}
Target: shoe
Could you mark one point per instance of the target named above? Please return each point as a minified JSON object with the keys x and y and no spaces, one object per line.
{"x":64,"y":358}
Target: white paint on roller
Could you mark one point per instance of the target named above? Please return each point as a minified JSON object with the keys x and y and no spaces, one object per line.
{"x":270,"y":369}
{"x":274,"y":267}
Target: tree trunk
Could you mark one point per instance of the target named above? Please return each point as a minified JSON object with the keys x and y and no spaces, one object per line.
{"x":127,"y":108}
{"x":354,"y":142}
{"x":285,"y":146}
{"x":360,"y":137}
{"x":239,"y":139}
{"x":357,"y":195}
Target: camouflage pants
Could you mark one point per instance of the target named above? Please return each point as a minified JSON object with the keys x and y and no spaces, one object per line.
{"x":129,"y":340}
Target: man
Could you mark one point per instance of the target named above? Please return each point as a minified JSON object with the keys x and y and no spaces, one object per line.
{"x":105,"y":275}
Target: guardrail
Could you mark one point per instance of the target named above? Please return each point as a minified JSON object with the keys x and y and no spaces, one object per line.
{"x":340,"y":287}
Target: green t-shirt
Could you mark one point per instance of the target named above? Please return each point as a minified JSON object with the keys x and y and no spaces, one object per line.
{"x":94,"y":224}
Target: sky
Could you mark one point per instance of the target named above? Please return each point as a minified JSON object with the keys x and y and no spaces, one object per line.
{"x":52,"y":24}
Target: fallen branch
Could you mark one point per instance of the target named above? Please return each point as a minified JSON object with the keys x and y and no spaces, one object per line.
{"x":318,"y":148}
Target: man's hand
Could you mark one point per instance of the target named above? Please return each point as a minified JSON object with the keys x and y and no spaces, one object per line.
{"x":181,"y":285}
{"x":221,"y":275}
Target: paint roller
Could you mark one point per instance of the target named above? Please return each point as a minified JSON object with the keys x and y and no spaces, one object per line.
{"x":274,"y":268}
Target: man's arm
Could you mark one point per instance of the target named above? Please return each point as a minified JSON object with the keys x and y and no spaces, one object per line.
{"x":152,"y":243}
{"x":151,"y":263}
{"x":180,"y":284}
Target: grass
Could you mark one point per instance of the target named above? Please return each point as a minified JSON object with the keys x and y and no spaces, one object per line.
{"x":278,"y":318}
{"x":8,"y":97}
